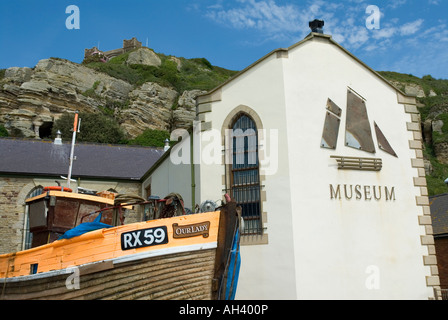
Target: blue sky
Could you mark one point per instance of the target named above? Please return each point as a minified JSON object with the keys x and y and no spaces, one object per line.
{"x":412,"y":35}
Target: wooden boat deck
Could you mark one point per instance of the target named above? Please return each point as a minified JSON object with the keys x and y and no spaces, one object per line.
{"x":156,"y":278}
{"x":106,"y":244}
{"x":183,"y":257}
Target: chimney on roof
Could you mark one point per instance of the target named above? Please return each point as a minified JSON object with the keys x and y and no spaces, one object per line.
{"x":58,"y":139}
{"x":317,"y":26}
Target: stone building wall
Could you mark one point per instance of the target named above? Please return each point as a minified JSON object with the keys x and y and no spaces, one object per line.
{"x":131,"y":44}
{"x":14,"y":191}
{"x":441,"y":245}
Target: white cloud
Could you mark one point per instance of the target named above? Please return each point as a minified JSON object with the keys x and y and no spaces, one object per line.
{"x":384,"y":33}
{"x":276,"y":20}
{"x":400,"y":44}
{"x":393,"y":4}
{"x":411,"y":27}
{"x":358,"y":37}
{"x":262,"y":15}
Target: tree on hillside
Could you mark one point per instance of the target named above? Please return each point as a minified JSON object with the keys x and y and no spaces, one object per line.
{"x":151,"y":138}
{"x":95,"y":127}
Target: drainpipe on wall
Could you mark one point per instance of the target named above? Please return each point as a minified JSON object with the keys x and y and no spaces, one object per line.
{"x":193,"y":179}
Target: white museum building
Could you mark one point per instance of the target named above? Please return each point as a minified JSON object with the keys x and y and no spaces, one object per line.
{"x":325,"y":158}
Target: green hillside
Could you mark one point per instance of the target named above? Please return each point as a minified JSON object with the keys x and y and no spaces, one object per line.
{"x":189,"y":74}
{"x":197,"y":73}
{"x":432,"y":107}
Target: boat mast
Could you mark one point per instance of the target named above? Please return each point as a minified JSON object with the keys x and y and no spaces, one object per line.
{"x":72,"y":157}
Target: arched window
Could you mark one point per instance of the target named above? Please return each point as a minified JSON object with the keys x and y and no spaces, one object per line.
{"x":27,"y":235}
{"x":244,"y":172}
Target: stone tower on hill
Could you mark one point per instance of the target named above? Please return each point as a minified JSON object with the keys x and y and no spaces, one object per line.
{"x":128,"y":45}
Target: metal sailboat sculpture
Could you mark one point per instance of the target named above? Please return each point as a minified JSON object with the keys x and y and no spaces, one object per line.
{"x":358,"y":131}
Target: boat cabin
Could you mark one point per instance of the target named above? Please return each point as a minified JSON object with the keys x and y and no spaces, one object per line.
{"x":58,"y":210}
{"x":55,"y":212}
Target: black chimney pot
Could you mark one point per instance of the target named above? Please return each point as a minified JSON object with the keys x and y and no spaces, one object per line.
{"x":317,"y":25}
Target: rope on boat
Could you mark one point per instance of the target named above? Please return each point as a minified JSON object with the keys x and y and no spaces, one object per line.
{"x":120,"y":201}
{"x":127,"y":198}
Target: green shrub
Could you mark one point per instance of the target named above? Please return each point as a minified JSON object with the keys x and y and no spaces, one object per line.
{"x":120,"y":59}
{"x":95,"y":127}
{"x":429,"y":107}
{"x":92,"y":91}
{"x":204,"y":62}
{"x":3,"y":131}
{"x":436,"y":180}
{"x":151,"y":138}
{"x":191,"y":76}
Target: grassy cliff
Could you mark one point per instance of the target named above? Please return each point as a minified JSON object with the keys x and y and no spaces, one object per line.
{"x":183,"y":74}
{"x":433,"y":106}
{"x":190,"y":74}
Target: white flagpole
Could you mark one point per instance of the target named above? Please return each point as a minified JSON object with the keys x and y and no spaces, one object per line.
{"x":75,"y":129}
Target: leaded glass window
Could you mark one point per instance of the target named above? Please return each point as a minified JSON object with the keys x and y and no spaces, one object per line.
{"x":244,"y":175}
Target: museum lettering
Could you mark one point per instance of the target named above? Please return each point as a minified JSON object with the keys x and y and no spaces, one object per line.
{"x":362,"y":192}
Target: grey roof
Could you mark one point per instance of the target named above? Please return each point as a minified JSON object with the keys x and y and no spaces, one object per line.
{"x":102,"y":161}
{"x":439,"y":213}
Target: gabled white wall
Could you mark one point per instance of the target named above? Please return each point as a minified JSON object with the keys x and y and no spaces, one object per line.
{"x":318,"y":247}
{"x":267,"y":270}
{"x":339,"y":242}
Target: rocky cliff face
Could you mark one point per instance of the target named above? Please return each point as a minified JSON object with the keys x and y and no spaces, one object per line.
{"x":432,"y":99}
{"x":156,"y":107}
{"x":32,"y":99}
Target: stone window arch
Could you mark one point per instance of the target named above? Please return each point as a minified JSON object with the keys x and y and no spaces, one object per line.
{"x":27,"y":235}
{"x":240,"y":133}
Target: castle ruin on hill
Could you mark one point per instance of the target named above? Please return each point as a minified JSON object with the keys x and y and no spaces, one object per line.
{"x":128,"y":45}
